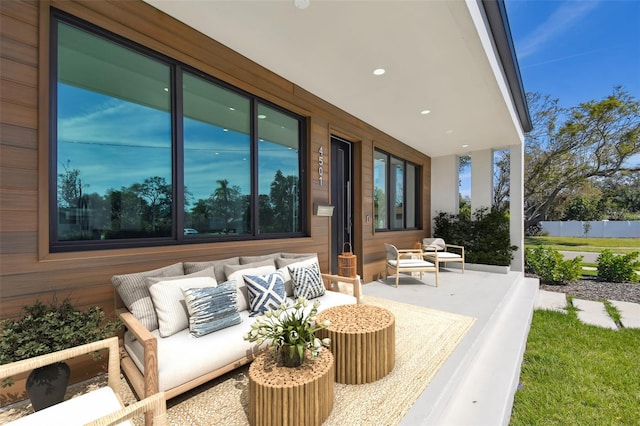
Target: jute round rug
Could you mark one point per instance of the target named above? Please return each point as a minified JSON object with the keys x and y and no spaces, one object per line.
{"x":424,"y":340}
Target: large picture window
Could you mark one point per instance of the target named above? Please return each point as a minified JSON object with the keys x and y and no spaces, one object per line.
{"x":145,"y":150}
{"x":396,"y":192}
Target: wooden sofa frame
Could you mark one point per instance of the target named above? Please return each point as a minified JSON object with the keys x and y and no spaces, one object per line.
{"x":147,"y":384}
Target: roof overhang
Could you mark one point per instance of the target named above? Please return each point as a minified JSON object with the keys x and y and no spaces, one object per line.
{"x":440,"y":56}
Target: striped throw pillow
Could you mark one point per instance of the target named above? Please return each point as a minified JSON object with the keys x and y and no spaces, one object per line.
{"x":211,"y":308}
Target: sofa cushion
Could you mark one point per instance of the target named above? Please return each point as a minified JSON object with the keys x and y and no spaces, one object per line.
{"x":236,"y":275}
{"x":78,"y":410}
{"x":134,"y":292}
{"x":307,"y":281}
{"x":197,"y":357}
{"x":297,"y":255}
{"x":168,"y":299}
{"x":182,"y":358}
{"x":230,"y":269}
{"x":218,"y":266}
{"x":282,"y":263}
{"x":266,"y":292}
{"x":211,"y":308}
{"x":253,"y":259}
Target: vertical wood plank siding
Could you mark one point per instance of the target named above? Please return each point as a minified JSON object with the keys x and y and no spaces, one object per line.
{"x":27,"y":269}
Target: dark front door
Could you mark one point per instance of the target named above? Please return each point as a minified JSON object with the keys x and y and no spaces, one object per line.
{"x":341,"y":198}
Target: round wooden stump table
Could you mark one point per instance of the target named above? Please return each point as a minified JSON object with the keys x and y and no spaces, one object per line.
{"x":280,"y":395}
{"x":363,"y":342}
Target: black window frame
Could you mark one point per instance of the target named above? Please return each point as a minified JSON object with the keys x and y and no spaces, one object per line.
{"x":177,"y":69}
{"x":389,"y":208}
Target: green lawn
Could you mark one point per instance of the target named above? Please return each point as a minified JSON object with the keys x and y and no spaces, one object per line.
{"x":577,"y":374}
{"x":617,"y":245}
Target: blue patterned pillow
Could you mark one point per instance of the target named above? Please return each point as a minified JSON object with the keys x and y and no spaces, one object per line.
{"x":307,"y":281}
{"x":211,"y":308}
{"x":265,"y":291}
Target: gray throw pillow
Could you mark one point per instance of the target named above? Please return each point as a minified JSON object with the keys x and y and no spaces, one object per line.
{"x":134,"y":292}
{"x":218,"y":266}
{"x":253,"y":259}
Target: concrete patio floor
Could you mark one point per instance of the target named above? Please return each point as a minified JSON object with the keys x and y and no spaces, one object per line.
{"x":477,"y":383}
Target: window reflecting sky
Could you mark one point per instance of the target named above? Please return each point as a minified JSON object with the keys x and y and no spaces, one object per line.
{"x":116,"y":143}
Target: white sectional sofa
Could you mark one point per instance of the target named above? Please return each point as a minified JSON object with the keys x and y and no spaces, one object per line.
{"x":161,"y":352}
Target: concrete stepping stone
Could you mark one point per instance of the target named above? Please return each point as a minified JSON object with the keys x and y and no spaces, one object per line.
{"x":594,"y":313}
{"x":551,"y":301}
{"x":629,"y":313}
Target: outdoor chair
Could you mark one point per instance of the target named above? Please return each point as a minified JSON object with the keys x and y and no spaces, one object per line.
{"x":99,"y":407}
{"x":437,"y":251}
{"x":407,"y":261}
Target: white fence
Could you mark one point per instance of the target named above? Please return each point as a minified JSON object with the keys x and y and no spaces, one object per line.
{"x":592,"y":229}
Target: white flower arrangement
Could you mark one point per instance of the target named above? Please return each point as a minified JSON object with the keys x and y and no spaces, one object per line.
{"x":288,"y":326}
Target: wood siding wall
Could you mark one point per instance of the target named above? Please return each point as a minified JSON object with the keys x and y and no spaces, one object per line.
{"x":27,"y":269}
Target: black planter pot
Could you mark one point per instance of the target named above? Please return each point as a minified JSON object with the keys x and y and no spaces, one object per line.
{"x":47,"y":385}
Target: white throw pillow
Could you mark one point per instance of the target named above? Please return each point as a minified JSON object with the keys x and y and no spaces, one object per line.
{"x":170,"y":305}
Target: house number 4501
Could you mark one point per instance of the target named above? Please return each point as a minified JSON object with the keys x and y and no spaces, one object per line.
{"x":320,"y":164}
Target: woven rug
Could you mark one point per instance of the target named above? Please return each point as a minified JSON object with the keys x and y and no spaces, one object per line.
{"x":424,"y":340}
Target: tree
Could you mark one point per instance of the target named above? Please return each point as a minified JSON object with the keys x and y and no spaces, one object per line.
{"x":70,"y":187}
{"x":158,"y":199}
{"x":226,"y":204}
{"x":284,"y":199}
{"x":596,"y":140}
{"x":501,"y":176}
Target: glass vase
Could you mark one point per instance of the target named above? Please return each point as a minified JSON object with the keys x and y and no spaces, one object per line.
{"x":290,"y":355}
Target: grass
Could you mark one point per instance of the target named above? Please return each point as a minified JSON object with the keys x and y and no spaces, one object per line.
{"x":578,"y":374}
{"x":613,"y":312}
{"x":617,"y":245}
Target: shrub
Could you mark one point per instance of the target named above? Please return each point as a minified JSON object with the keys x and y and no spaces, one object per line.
{"x":617,"y":268}
{"x":485,"y":235}
{"x":550,"y":266}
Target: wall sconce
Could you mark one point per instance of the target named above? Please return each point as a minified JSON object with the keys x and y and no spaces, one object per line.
{"x":322,"y":210}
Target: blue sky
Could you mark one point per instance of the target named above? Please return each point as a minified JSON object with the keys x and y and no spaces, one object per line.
{"x":575,"y":50}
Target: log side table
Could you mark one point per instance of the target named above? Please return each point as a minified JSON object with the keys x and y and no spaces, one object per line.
{"x":280,"y":395}
{"x":363,"y":342}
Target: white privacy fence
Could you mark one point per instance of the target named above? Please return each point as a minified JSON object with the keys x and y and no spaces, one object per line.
{"x":592,"y":229}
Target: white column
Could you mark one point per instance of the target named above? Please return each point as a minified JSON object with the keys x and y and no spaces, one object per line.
{"x":444,"y":185}
{"x":481,"y":179}
{"x":516,"y":203}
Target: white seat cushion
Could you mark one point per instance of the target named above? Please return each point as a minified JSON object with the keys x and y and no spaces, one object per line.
{"x":75,"y":411}
{"x":445,"y":255}
{"x":411,"y":263}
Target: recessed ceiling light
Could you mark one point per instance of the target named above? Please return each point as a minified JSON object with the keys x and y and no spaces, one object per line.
{"x":232,"y":109}
{"x":425,"y":111}
{"x":262,"y":116}
{"x":379,"y":71}
{"x":465,"y":145}
{"x":225,"y":130}
{"x":449,"y":132}
{"x":166,"y":89}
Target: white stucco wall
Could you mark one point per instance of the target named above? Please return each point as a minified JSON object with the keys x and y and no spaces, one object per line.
{"x":481,"y":179}
{"x":592,"y":229}
{"x":444,"y":185}
{"x":516,"y":203}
